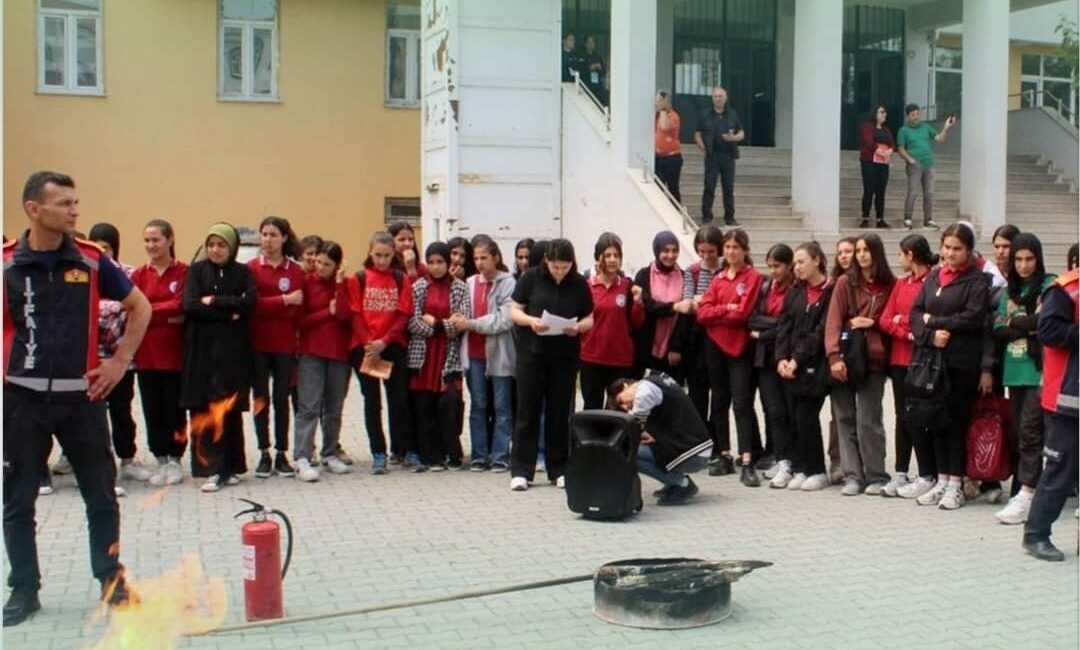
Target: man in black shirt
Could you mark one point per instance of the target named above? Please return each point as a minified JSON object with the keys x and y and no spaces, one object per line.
{"x":674,"y":436}
{"x":718,"y":135}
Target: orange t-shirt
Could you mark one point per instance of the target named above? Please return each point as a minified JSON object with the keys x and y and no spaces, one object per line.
{"x":667,"y":140}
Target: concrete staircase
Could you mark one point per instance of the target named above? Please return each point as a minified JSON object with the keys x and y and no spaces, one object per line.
{"x":1038,"y":200}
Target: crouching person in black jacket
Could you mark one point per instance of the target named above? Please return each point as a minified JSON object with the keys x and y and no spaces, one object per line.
{"x":674,"y":434}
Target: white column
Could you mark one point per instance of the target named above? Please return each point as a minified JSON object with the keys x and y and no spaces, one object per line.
{"x":815,"y":140}
{"x":984,"y":93}
{"x":633,"y":80}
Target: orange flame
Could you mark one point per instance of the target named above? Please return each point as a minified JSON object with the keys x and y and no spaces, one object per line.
{"x":260,"y":405}
{"x":210,"y":423}
{"x":182,"y":601}
{"x":181,"y":435}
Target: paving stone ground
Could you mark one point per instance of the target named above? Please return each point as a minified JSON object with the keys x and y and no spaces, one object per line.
{"x":849,"y":572}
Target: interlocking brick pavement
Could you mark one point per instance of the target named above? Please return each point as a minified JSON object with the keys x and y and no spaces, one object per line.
{"x":858,"y":572}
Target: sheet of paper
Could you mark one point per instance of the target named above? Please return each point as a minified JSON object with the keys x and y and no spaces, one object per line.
{"x":556,"y":324}
{"x":376,"y":367}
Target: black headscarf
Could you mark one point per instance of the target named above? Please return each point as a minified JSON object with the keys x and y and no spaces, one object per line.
{"x":662,"y":239}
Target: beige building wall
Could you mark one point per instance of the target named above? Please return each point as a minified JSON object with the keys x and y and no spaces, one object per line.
{"x":161,"y":144}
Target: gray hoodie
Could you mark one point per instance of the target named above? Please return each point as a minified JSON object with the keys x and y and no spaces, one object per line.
{"x":496,"y":326}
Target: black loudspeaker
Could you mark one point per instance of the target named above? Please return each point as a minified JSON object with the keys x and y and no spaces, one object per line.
{"x":602,"y":479}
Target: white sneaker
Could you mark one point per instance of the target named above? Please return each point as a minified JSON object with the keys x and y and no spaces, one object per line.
{"x":892,"y":488}
{"x":561,"y":482}
{"x":62,"y":466}
{"x":874,"y":489}
{"x":45,"y":489}
{"x":952,"y":499}
{"x":119,"y":491}
{"x":305,"y":472}
{"x":336,"y":465}
{"x":916,"y":489}
{"x":932,"y":497}
{"x":775,"y":469}
{"x":213,"y":484}
{"x":174,"y":474}
{"x":1016,"y":510}
{"x":519,"y":484}
{"x":233,"y":480}
{"x":852,"y":487}
{"x":815,"y":483}
{"x":157,"y":478}
{"x":133,"y":470}
{"x":796,"y":481}
{"x":782,"y":476}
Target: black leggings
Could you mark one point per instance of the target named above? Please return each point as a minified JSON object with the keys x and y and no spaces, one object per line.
{"x":875,"y":178}
{"x":166,"y":422}
{"x":279,"y":367}
{"x":595,"y":379}
{"x":950,"y":442}
{"x":907,"y":437}
{"x":402,"y":434}
{"x":437,"y":424}
{"x":120,"y":420}
{"x":809,"y":452}
{"x":732,"y":380}
{"x":779,"y":406}
{"x":545,"y":385}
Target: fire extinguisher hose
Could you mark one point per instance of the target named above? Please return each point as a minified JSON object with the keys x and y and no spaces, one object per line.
{"x":401,"y":604}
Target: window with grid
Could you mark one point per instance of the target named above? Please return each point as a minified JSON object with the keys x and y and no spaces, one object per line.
{"x":1047,"y":81}
{"x":402,"y":55}
{"x":248,"y":50}
{"x":69,"y":47}
{"x":948,"y":64}
{"x":399,"y":208}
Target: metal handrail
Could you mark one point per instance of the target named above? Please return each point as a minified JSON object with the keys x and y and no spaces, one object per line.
{"x":688,"y":222}
{"x":1063,"y":108}
{"x":582,"y":88}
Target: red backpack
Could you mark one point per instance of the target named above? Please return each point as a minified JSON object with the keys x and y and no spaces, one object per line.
{"x":989,"y":457}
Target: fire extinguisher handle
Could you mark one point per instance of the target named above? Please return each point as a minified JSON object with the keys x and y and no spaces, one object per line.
{"x":289,"y":536}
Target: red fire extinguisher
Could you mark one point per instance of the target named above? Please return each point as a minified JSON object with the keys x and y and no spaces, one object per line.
{"x":263,"y":570}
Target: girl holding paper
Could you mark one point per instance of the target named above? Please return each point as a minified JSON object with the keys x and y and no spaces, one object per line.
{"x":547,"y":366}
{"x":875,"y":151}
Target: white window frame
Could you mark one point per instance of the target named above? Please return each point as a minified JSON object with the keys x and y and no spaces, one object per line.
{"x":247,"y":49}
{"x":1040,"y":78}
{"x":412,"y":68}
{"x":71,"y":51}
{"x":934,"y":69}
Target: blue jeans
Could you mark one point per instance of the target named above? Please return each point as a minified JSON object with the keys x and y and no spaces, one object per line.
{"x":647,"y":465}
{"x":478,"y":394}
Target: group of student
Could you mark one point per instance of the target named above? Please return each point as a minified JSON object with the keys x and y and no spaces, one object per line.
{"x":284,"y":333}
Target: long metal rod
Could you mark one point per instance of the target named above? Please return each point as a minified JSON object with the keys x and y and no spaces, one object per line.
{"x":401,"y":604}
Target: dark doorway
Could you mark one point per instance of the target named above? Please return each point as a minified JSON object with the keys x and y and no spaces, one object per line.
{"x":731,"y":43}
{"x":873,"y":69}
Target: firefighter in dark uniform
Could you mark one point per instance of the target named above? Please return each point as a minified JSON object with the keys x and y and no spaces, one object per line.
{"x":54,"y":383}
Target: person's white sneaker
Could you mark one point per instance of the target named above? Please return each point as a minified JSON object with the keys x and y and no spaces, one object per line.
{"x":892,"y":488}
{"x":1016,"y":510}
{"x":305,"y":472}
{"x":233,"y":480}
{"x":119,"y":491}
{"x":852,"y":487}
{"x":771,"y":473}
{"x":796,"y":481}
{"x":561,"y":482}
{"x":157,"y":478}
{"x":916,"y":488}
{"x":815,"y":483}
{"x":62,"y":466}
{"x":519,"y":484}
{"x":782,"y":476}
{"x":174,"y":474}
{"x":336,"y":465}
{"x":932,"y":497}
{"x":133,"y":470}
{"x":213,"y":484}
{"x":45,"y":489}
{"x":874,"y":489}
{"x":952,"y":499}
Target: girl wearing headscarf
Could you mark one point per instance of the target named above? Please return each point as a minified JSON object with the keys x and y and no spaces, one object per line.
{"x":435,"y":361}
{"x":1014,"y":327}
{"x":661,"y":285}
{"x":219,"y":297}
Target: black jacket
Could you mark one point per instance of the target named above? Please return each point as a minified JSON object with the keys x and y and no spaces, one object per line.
{"x":654,"y":310}
{"x":217,"y":349}
{"x":767,"y":328}
{"x":679,"y":431}
{"x":801,"y":336}
{"x":961,"y":308}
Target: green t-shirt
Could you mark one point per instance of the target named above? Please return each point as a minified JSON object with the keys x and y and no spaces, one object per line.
{"x":919,"y":142}
{"x":1018,"y":368}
